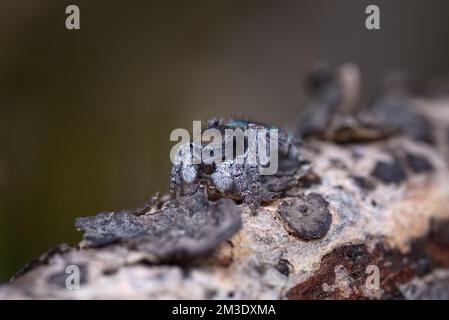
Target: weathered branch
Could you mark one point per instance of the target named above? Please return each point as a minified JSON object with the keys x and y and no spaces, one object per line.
{"x":382,"y":203}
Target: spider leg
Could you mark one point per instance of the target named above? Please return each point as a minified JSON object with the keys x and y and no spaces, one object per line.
{"x":252,"y":174}
{"x":175,"y":176}
{"x":287,"y":145}
{"x":238,"y":172}
{"x":174,"y":179}
{"x":183,"y":170}
{"x":246,"y":175}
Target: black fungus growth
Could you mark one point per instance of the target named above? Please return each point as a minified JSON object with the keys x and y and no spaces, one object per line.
{"x":307,"y":216}
{"x":418,"y":163}
{"x":389,"y":172}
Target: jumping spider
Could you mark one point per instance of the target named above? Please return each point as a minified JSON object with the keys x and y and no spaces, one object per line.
{"x":238,"y":175}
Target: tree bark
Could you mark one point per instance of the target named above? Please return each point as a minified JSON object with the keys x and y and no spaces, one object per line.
{"x":381,"y":205}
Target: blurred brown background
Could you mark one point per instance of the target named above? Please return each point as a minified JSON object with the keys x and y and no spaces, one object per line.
{"x":85,"y":116}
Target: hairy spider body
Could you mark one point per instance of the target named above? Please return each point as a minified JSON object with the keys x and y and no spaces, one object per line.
{"x":238,"y":174}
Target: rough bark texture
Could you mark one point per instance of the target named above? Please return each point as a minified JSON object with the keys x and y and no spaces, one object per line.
{"x":383,"y":203}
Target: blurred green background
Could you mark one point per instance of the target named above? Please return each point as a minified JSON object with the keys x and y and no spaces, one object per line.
{"x":85,"y":115}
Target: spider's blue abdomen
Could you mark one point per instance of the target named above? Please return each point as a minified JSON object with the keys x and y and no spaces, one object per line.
{"x":239,"y":123}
